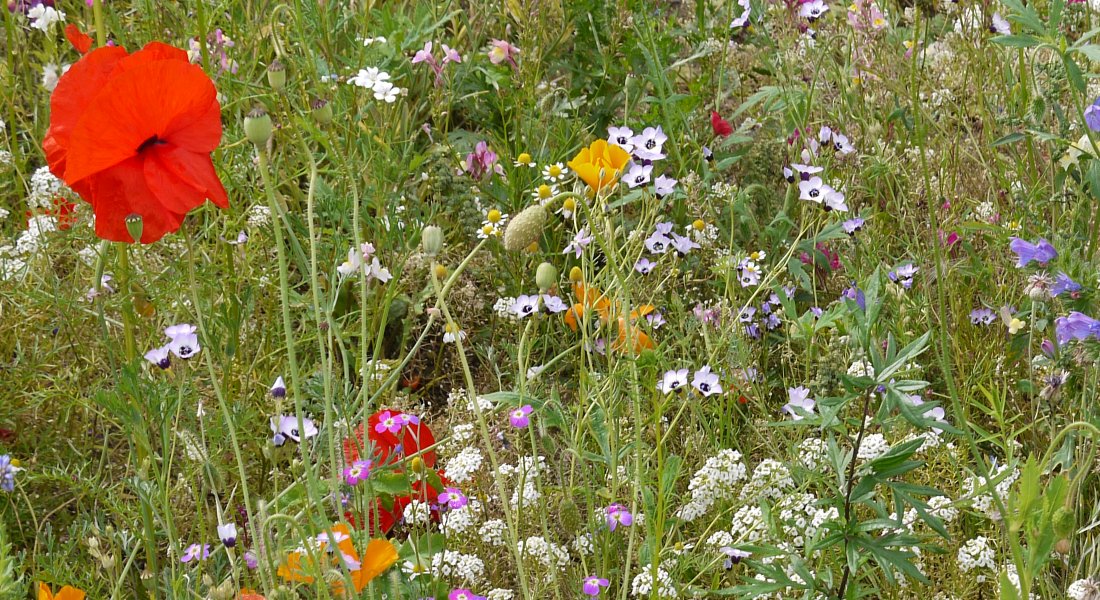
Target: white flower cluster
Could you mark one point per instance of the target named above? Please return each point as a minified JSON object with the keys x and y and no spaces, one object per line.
{"x":467,"y":568}
{"x":13,"y":259}
{"x":500,"y":594}
{"x":583,"y":544}
{"x":547,"y":554}
{"x":861,"y":368}
{"x":43,"y":17}
{"x":503,"y":308}
{"x":812,"y":452}
{"x":713,"y":483}
{"x":642,"y":585}
{"x":1013,"y":577}
{"x":976,"y":488}
{"x":748,"y":524}
{"x":45,"y":188}
{"x":976,"y":554}
{"x":493,"y":532}
{"x":872,"y":447}
{"x":378,"y":82}
{"x":462,"y":433}
{"x":528,"y":472}
{"x":5,"y":160}
{"x":259,"y":215}
{"x":769,"y":480}
{"x":461,"y":467}
{"x":801,"y":517}
{"x":461,"y":520}
{"x":417,"y":512}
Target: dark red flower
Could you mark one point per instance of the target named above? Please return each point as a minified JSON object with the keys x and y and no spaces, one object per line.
{"x":80,"y":40}
{"x":132,"y":134}
{"x":721,"y":126}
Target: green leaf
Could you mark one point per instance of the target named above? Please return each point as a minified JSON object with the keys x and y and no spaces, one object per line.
{"x":1016,"y":41}
{"x":1010,"y":138}
{"x":394,"y":484}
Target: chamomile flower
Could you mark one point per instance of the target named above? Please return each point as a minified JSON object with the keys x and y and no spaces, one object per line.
{"x":488,"y":230}
{"x":544,"y":192}
{"x":452,"y":333}
{"x":568,"y":208}
{"x":554,"y":172}
{"x":496,"y":218}
{"x":524,"y":160}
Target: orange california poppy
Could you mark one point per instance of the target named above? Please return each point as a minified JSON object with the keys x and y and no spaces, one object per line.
{"x":65,"y":593}
{"x":132,"y":134}
{"x":600,"y":164}
{"x":589,"y":297}
{"x":378,"y":556}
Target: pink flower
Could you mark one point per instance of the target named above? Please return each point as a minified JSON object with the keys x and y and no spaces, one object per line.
{"x":502,"y":51}
{"x":521,"y":417}
{"x":388,"y":422}
{"x":451,"y":55}
{"x":424,"y":55}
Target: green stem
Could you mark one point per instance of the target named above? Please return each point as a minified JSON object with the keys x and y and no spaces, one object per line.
{"x":127,"y":301}
{"x":100,"y":23}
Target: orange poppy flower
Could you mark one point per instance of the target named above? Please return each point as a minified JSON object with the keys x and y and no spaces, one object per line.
{"x":65,"y":593}
{"x":132,"y":134}
{"x":591,"y":298}
{"x":600,"y":164}
{"x":378,"y":556}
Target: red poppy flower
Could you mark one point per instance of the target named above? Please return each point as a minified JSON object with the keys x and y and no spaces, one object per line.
{"x":721,"y":126}
{"x":132,"y":134}
{"x":80,"y":40}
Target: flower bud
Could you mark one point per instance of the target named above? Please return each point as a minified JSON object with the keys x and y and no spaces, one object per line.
{"x":416,"y":465}
{"x":546,"y":276}
{"x":569,"y":515}
{"x":525,"y":228}
{"x":431,"y":240}
{"x":1063,"y":546}
{"x":257,"y":126}
{"x":276,"y":75}
{"x":321,"y":111}
{"x":576,"y":275}
{"x":134,"y":225}
{"x":440,"y":271}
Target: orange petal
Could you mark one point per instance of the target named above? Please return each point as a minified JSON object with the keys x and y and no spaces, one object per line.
{"x":69,"y":593}
{"x":379,"y":556}
{"x":44,"y":592}
{"x":182,"y":180}
{"x":80,"y":40}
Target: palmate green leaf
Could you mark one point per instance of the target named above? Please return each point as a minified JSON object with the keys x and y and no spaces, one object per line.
{"x":393,"y":484}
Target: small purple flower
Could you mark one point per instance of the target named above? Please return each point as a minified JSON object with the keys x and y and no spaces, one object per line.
{"x":593,"y":583}
{"x":644,"y":266}
{"x":250,"y":560}
{"x":387,"y":421}
{"x":903,"y":275}
{"x":856,"y":295}
{"x":800,"y":403}
{"x":453,"y":498}
{"x":733,"y":555}
{"x":278,"y":389}
{"x":1076,"y":326}
{"x":286,"y":427}
{"x":525,"y":306}
{"x":463,"y":594}
{"x":195,"y":552}
{"x":160,"y":357}
{"x":357,"y":472}
{"x":851,"y":226}
{"x":227,"y":532}
{"x":521,"y":417}
{"x":617,"y":514}
{"x":705,"y":382}
{"x":816,"y":312}
{"x":683,"y":245}
{"x":638,"y":175}
{"x":673,"y":381}
{"x":451,"y":55}
{"x":1047,"y":348}
{"x":648,"y":143}
{"x":580,"y":241}
{"x":1064,"y":284}
{"x":983,"y":316}
{"x":621,"y":137}
{"x":1041,"y":252}
{"x":7,"y":473}
{"x":655,"y":320}
{"x":658,"y":243}
{"x":553,"y":304}
{"x":481,"y":161}
{"x":1092,"y":116}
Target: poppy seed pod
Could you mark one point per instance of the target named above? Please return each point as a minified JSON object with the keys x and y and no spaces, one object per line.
{"x":546,"y":276}
{"x":431,"y":240}
{"x":276,"y":75}
{"x":134,"y":225}
{"x":257,"y":126}
{"x":321,"y":111}
{"x":525,"y":228}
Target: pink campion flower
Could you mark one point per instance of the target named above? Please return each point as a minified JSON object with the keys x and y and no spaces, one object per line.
{"x":617,"y":514}
{"x":481,"y":161}
{"x":388,"y":422}
{"x":521,"y":417}
{"x":451,"y":55}
{"x":357,"y":473}
{"x":424,"y":55}
{"x":501,"y":51}
{"x":453,"y":498}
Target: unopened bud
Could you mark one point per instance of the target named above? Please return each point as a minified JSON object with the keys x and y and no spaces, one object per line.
{"x":546,"y":276}
{"x":431,"y":240}
{"x":276,"y":75}
{"x":440,"y":271}
{"x":257,"y":126}
{"x":416,"y":465}
{"x":576,"y":275}
{"x":321,"y":111}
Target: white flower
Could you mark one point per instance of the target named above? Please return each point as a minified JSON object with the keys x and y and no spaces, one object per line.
{"x":374,"y":40}
{"x":462,"y":466}
{"x":369,"y":78}
{"x":872,"y":447}
{"x":492,"y":532}
{"x":554,"y":172}
{"x":976,"y":554}
{"x":43,"y":17}
{"x":386,"y":91}
{"x":642,"y":584}
{"x":713,"y":483}
{"x":51,"y":73}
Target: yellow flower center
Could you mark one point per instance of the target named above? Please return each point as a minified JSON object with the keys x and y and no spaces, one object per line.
{"x":524,"y":158}
{"x":451,"y":327}
{"x":569,"y":204}
{"x":698,"y":224}
{"x":493,"y":216}
{"x":555,"y":170}
{"x":544,"y":191}
{"x":487,"y":229}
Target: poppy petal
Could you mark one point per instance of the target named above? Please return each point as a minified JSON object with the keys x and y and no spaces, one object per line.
{"x":138,"y":106}
{"x":121,"y":191}
{"x":182,"y":180}
{"x":80,"y":40}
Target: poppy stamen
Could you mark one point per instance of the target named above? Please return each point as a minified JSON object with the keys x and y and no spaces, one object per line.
{"x":149,"y":143}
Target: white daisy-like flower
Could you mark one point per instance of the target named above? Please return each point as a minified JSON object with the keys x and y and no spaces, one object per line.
{"x":554,"y":172}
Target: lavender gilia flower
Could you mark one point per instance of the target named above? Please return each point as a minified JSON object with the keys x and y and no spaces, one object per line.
{"x":673,"y":381}
{"x":228,"y":534}
{"x":983,"y":316}
{"x":706,"y":382}
{"x":580,"y":241}
{"x":851,"y":226}
{"x":286,"y":427}
{"x":644,"y":266}
{"x":800,"y":403}
{"x":525,"y":306}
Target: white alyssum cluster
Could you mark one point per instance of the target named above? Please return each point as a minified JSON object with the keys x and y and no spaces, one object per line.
{"x":769,"y":479}
{"x":642,"y":585}
{"x":527,"y":472}
{"x":417,"y":513}
{"x":583,"y":545}
{"x":466,"y":568}
{"x":460,"y":520}
{"x":547,"y":554}
{"x":873,"y":446}
{"x":503,"y":308}
{"x":461,"y":467}
{"x":493,"y":532}
{"x":812,"y":452}
{"x":976,"y":554}
{"x":977,"y":488}
{"x":500,"y":594}
{"x":713,"y":483}
{"x":45,"y":188}
{"x":748,"y":524}
{"x":801,"y":517}
{"x":463,"y":433}
{"x":861,"y":368}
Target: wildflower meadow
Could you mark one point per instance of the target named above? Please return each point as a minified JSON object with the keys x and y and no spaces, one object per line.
{"x":550,"y":299}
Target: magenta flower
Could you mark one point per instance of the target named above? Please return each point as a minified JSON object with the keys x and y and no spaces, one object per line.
{"x":521,"y":417}
{"x":388,"y":422}
{"x":451,"y":55}
{"x":617,"y":514}
{"x":481,"y":161}
{"x":357,"y":473}
{"x":453,"y":498}
{"x":593,"y":583}
{"x":463,"y":594}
